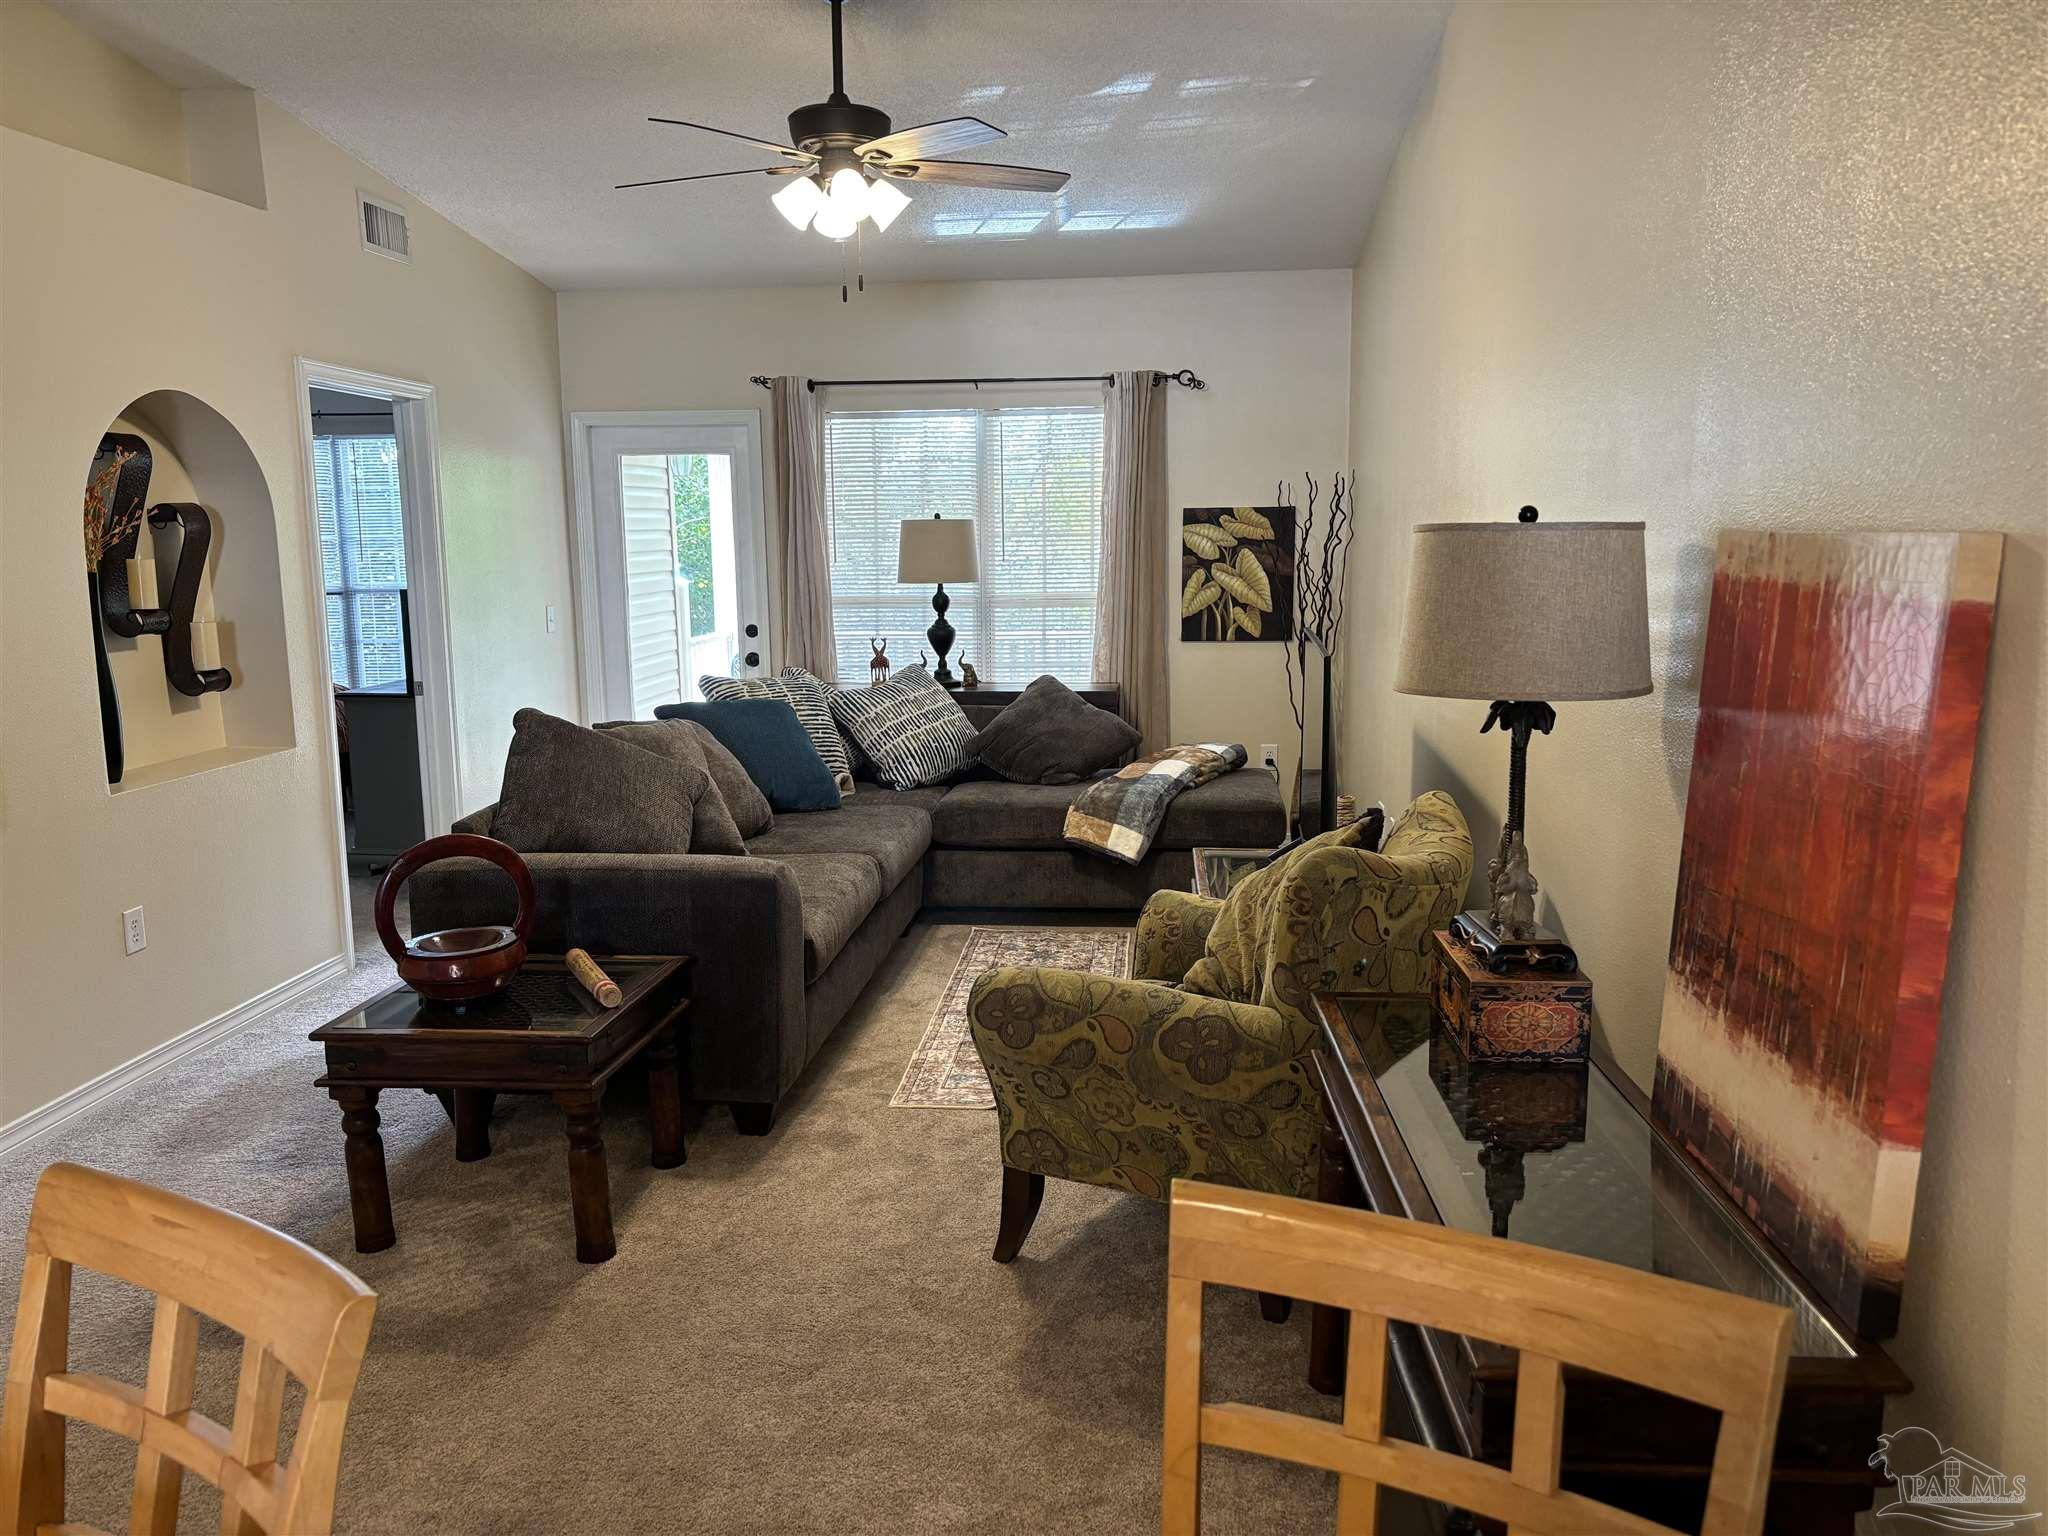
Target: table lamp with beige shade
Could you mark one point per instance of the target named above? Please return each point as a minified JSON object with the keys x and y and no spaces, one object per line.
{"x":1525,"y":615}
{"x":938,"y":549}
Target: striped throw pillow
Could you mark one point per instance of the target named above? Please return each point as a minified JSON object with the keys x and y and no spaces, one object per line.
{"x":914,"y":730}
{"x":807,"y":696}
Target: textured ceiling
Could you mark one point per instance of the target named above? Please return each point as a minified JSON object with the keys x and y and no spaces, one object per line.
{"x":1207,"y":135}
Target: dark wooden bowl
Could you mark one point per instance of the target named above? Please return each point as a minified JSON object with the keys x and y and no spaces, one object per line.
{"x":456,"y":965}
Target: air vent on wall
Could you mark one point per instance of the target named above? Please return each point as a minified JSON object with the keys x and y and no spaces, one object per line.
{"x":384,"y":228}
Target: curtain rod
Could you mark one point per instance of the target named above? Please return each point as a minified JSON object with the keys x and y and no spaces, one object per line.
{"x":1185,"y":377}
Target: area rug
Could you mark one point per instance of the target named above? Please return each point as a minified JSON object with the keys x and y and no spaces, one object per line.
{"x":945,"y":1071}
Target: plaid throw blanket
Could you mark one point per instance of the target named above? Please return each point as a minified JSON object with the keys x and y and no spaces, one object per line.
{"x":1118,"y":817}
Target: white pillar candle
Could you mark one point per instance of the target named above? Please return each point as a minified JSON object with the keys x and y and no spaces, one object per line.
{"x":142,"y":584}
{"x":205,"y":645}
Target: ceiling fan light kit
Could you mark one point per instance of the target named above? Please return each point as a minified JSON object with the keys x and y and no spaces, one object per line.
{"x":844,"y":163}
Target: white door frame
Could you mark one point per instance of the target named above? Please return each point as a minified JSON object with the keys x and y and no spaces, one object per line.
{"x":748,"y":479}
{"x":417,"y":426}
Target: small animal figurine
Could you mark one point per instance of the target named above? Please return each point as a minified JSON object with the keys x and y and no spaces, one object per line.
{"x":1518,"y":894}
{"x":968,"y":677}
{"x":878,"y":664}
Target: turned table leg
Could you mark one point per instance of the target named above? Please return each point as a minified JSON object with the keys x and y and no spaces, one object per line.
{"x":1330,"y":1327}
{"x":590,"y":1195}
{"x":665,"y":1100}
{"x":473,"y":1108}
{"x":369,"y":1192}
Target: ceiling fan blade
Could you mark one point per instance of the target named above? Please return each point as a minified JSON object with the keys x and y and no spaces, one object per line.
{"x":745,"y":138}
{"x":971,"y":173}
{"x":662,"y":181}
{"x":927,"y":139}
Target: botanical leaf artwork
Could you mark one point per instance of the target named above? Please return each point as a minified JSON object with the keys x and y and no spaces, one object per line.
{"x":1237,"y":573}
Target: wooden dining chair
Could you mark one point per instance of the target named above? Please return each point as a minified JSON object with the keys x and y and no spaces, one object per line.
{"x":297,"y":1311}
{"x":1706,"y":1346}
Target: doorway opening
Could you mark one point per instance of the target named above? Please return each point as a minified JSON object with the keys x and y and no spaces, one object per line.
{"x":672,"y":571}
{"x":369,"y":470}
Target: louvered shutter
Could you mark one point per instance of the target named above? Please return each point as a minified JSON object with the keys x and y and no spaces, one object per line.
{"x":656,"y":618}
{"x":1030,"y":477}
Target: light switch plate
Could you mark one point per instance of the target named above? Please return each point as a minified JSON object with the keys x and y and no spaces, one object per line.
{"x":553,"y":622}
{"x":133,"y":936}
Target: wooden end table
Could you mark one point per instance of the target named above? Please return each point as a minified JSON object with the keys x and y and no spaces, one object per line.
{"x":543,"y":1034}
{"x":1568,"y":1158}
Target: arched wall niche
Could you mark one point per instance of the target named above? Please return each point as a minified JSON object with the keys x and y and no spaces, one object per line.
{"x":197,"y":455}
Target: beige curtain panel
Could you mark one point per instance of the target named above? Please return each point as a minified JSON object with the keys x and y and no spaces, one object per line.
{"x":1130,"y":605}
{"x":805,"y":587}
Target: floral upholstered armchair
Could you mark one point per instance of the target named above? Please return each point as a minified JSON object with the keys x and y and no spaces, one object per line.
{"x":1199,"y":1067}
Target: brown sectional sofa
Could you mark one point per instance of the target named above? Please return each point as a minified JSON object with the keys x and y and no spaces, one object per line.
{"x":786,"y":937}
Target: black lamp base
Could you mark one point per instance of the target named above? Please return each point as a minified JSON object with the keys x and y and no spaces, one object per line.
{"x":941,"y":637}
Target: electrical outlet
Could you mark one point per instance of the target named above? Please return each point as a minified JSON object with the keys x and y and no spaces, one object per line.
{"x":553,"y":622}
{"x":133,"y":935}
{"x":1269,"y":757}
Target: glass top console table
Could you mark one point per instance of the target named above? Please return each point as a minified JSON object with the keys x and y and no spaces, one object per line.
{"x":1568,"y":1158}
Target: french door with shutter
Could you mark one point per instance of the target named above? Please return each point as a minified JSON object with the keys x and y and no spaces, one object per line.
{"x":674,"y":527}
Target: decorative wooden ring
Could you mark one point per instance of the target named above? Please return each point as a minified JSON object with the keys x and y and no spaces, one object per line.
{"x":456,"y":964}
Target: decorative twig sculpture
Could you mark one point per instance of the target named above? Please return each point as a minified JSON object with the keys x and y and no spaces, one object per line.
{"x":1319,"y":595}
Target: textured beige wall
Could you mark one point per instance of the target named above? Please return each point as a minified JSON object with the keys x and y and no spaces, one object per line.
{"x":59,"y":82}
{"x":1270,"y":344}
{"x":114,"y":283}
{"x":1741,"y":266}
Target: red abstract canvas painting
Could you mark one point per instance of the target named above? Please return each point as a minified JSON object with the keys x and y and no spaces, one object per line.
{"x":1839,"y":698}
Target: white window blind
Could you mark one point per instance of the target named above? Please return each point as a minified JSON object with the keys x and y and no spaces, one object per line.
{"x":362,"y":554}
{"x":1029,"y":476}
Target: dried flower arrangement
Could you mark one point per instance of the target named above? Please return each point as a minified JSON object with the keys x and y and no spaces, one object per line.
{"x":106,"y":526}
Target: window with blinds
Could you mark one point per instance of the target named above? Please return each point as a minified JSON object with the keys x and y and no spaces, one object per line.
{"x":362,"y":556}
{"x":1029,"y":476}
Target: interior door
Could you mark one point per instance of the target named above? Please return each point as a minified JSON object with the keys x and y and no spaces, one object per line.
{"x":680,"y":546}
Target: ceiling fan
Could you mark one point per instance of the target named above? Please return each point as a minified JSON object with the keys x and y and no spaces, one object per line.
{"x":845,"y":163}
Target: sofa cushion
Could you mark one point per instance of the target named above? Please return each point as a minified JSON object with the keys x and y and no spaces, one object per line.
{"x":771,"y":743}
{"x":568,"y":789}
{"x":1052,"y":735}
{"x":909,"y":727}
{"x":836,"y":892}
{"x":926,"y":796}
{"x":1241,"y":809}
{"x":751,"y":812}
{"x":882,"y":827}
{"x":714,"y":830}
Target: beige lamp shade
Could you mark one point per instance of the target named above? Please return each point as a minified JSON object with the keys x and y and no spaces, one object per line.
{"x":1549,"y":611}
{"x":936,"y":549}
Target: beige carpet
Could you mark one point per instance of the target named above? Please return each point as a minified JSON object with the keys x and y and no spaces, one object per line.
{"x":800,"y":1333}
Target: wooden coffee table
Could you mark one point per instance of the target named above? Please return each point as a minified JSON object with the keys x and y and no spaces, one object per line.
{"x":543,"y":1034}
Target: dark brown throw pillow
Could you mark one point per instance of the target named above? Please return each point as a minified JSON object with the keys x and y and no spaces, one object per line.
{"x":751,"y":812}
{"x":571,"y":790}
{"x":715,"y":829}
{"x":1052,"y":735}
